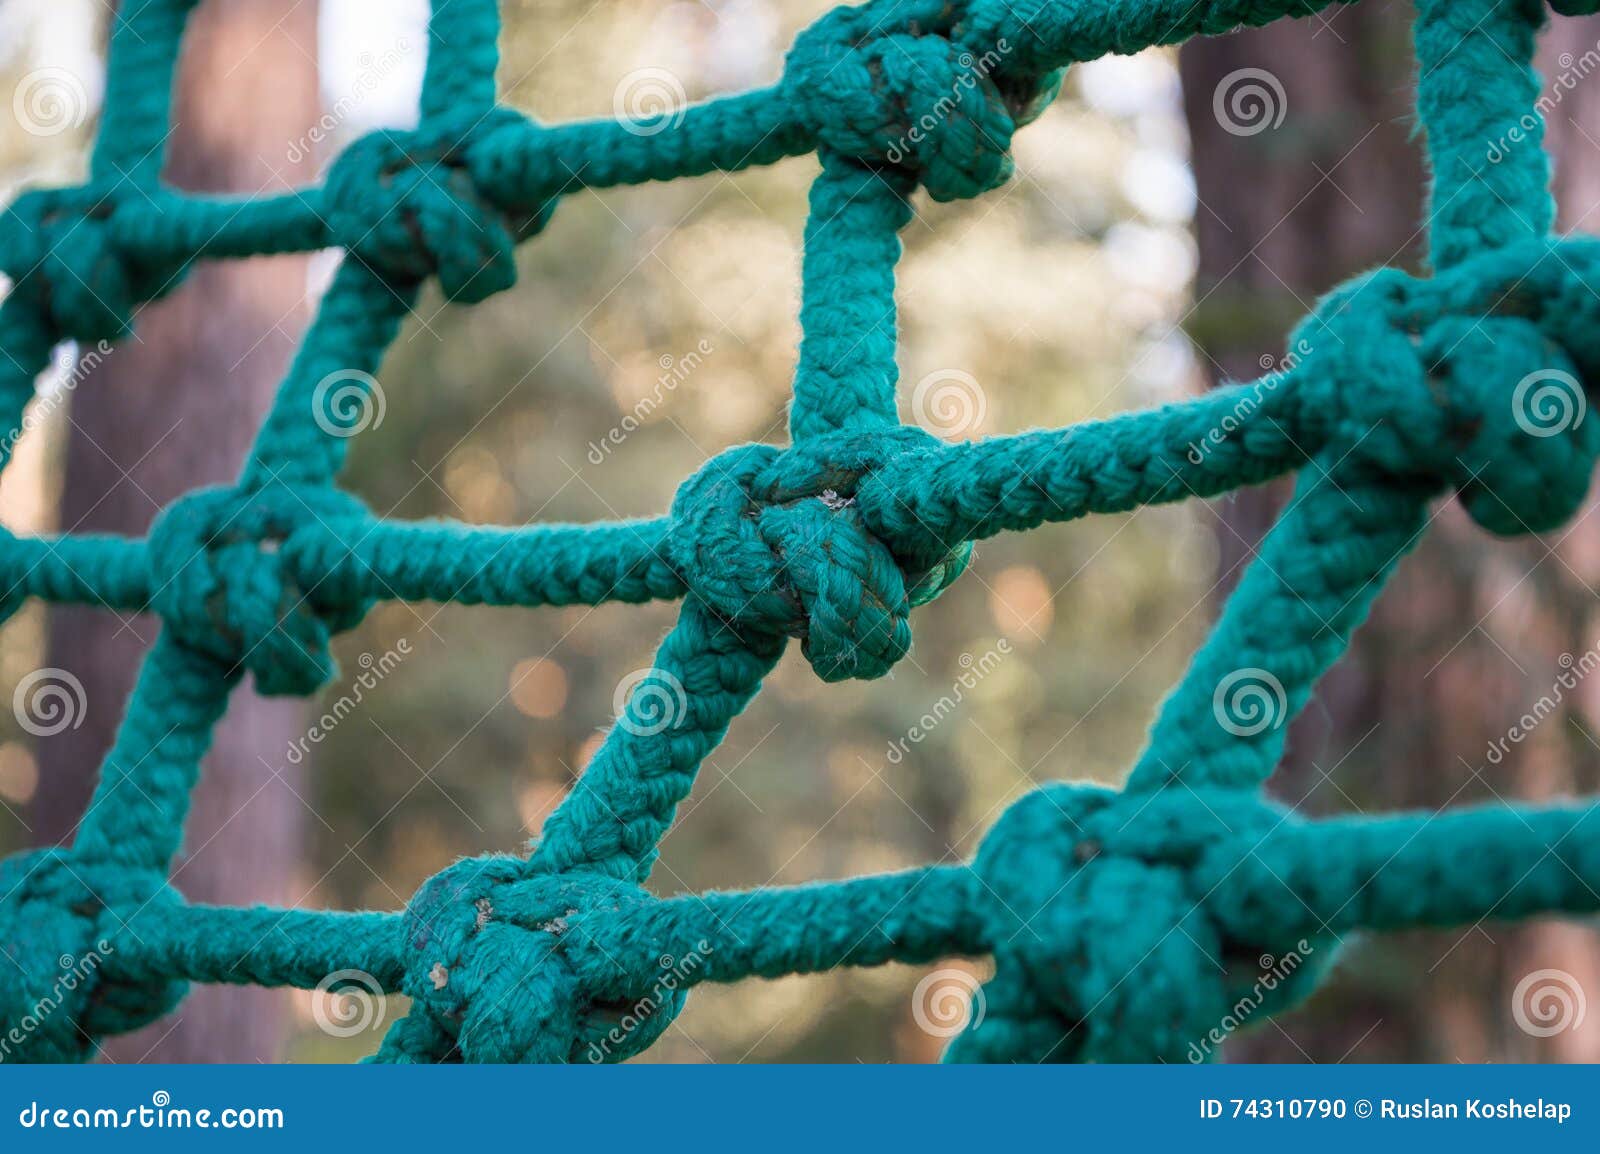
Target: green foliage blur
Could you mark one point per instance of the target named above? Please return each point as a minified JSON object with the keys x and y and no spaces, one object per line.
{"x":653,"y":327}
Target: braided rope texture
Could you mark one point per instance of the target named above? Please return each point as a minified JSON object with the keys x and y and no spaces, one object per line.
{"x":1123,"y":925}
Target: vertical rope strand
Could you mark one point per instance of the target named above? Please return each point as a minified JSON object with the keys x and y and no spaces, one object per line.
{"x":846,"y":375}
{"x":463,"y":53}
{"x":140,"y":71}
{"x":1476,"y":90}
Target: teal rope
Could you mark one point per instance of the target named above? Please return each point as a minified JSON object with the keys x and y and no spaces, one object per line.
{"x":846,"y":376}
{"x":138,"y":102}
{"x":1106,"y":912}
{"x":1317,"y":574}
{"x":1469,"y":92}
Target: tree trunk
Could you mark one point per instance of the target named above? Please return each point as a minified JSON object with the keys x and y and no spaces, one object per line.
{"x":175,"y":409}
{"x":1288,"y":209}
{"x":1305,"y":176}
{"x":1567,"y":55}
{"x":1471,"y":631}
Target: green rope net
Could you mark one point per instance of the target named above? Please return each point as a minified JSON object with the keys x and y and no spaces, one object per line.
{"x":1123,"y":925}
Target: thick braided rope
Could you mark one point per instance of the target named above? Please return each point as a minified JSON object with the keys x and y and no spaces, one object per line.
{"x":1116,"y":919}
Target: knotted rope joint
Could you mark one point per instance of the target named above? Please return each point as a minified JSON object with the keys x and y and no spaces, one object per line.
{"x":773,"y":541}
{"x":409,"y":205}
{"x":492,"y":978}
{"x":1124,"y":926}
{"x":225,"y":583}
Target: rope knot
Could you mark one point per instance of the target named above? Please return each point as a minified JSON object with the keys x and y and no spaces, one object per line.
{"x":775,"y":541}
{"x":492,"y":978}
{"x":59,"y":918}
{"x":1106,"y":949}
{"x":59,"y":246}
{"x":885,"y":84}
{"x":1439,"y":380}
{"x":226,"y":584}
{"x":408,"y":205}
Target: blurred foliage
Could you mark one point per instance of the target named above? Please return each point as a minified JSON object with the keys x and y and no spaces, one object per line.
{"x":1056,"y":294}
{"x":1060,"y":295}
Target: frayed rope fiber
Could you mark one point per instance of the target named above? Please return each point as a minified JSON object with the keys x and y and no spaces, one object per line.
{"x":1123,"y":925}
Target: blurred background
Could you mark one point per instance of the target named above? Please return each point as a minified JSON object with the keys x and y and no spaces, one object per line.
{"x":1172,"y":215}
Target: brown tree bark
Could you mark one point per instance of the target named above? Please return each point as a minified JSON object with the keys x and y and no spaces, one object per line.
{"x":175,"y":409}
{"x":1296,"y":194}
{"x":1470,"y":629}
{"x":1289,"y":211}
{"x":1569,"y":57}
